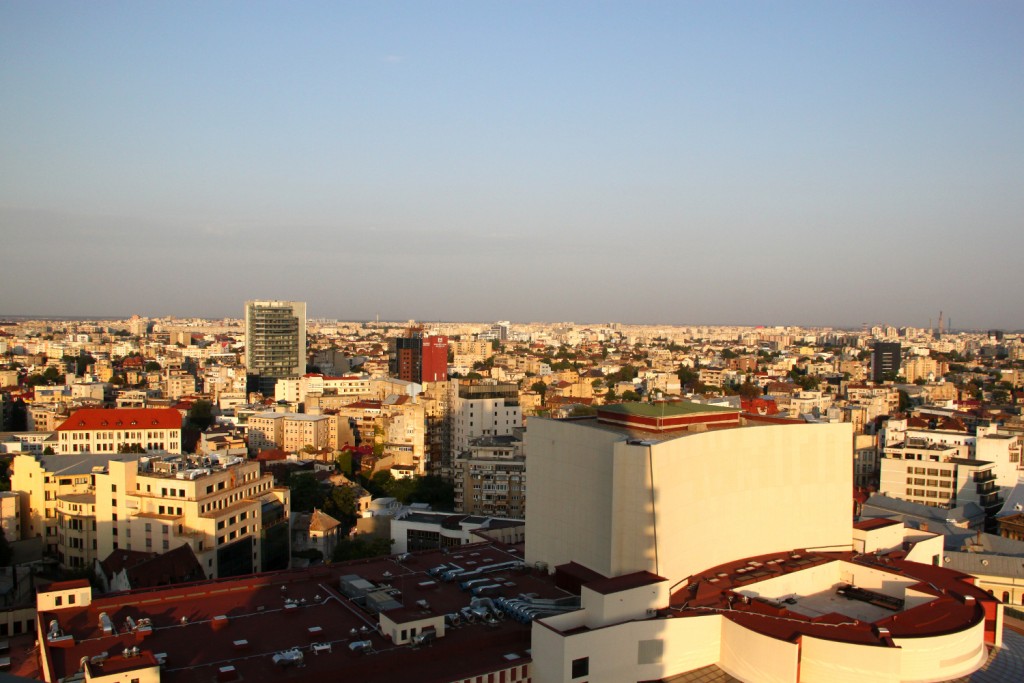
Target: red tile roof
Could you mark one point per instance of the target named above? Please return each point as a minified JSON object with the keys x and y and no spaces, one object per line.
{"x":122,"y":419}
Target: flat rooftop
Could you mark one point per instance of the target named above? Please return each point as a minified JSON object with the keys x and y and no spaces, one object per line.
{"x":243,"y":622}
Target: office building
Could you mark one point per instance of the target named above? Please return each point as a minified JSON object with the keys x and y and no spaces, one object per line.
{"x":275,"y":343}
{"x":418,"y":358}
{"x":885,"y":361}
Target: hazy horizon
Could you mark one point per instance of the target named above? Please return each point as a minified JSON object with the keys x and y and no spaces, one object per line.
{"x":797,"y":163}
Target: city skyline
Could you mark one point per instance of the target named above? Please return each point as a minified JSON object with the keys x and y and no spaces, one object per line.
{"x":670,"y":163}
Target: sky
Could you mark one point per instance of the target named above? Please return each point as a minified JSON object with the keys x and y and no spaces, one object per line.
{"x":788,"y":163}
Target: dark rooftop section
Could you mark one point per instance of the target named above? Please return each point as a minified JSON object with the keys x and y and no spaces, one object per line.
{"x":877,"y":523}
{"x":201,"y":627}
{"x":624,"y":583}
{"x":663,"y":409}
{"x":668,"y":416}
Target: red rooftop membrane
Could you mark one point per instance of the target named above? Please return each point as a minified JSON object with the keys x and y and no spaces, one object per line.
{"x":667,"y":416}
{"x":122,"y":419}
{"x":231,"y":629}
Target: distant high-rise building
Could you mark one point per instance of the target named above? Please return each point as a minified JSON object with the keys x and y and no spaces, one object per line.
{"x":275,"y":343}
{"x":419,"y":358}
{"x":885,"y":361}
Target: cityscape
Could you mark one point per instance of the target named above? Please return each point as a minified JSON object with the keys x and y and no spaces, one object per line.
{"x":511,"y":342}
{"x":481,"y":500}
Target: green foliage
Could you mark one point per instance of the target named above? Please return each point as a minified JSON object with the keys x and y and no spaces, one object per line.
{"x":359,"y":548}
{"x":1000,"y":396}
{"x":432,"y":490}
{"x":52,"y":374}
{"x":49,"y":451}
{"x":306,"y":492}
{"x":153,"y":366}
{"x":6,"y":553}
{"x":474,"y":375}
{"x":311,"y":554}
{"x":131,"y":448}
{"x":341,"y":503}
{"x":200,"y":415}
{"x":539,"y":387}
{"x":81,"y":362}
{"x":688,"y":377}
{"x":803,"y":380}
{"x":627,"y":373}
{"x":749,"y":390}
{"x":343,"y":462}
{"x":904,"y":401}
{"x":630,"y":395}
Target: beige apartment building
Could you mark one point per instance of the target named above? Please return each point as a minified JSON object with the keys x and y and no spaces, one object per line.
{"x":490,"y":478}
{"x":41,"y":481}
{"x":87,"y":506}
{"x":289,"y":431}
{"x":179,"y":384}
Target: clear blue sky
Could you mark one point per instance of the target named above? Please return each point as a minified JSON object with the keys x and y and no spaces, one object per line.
{"x":817,"y":163}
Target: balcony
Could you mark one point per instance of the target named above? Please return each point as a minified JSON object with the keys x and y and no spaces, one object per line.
{"x":985,"y":476}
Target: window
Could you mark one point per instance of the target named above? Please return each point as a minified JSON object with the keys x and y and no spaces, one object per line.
{"x":58,"y":601}
{"x":581,"y":667}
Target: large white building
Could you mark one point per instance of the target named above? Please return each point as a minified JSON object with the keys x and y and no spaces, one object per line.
{"x":480,"y":409}
{"x":701,"y":537}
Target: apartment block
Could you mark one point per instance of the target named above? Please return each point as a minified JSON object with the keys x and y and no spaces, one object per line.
{"x":490,"y":478}
{"x":87,"y":506}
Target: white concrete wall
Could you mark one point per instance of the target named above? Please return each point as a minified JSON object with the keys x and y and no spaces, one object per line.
{"x":740,"y":492}
{"x":623,"y":605}
{"x":885,"y":539}
{"x":944,"y":657}
{"x":828,"y":661}
{"x":591,"y":499}
{"x":569,"y":484}
{"x":751,"y":656}
{"x":688,"y":644}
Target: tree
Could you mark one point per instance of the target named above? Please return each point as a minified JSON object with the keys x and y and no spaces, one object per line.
{"x":539,"y":387}
{"x":359,"y":548}
{"x":748,"y":390}
{"x":200,"y":415}
{"x":131,"y":448}
{"x":306,"y":492}
{"x":6,"y":553}
{"x":153,"y":366}
{"x":434,"y":491}
{"x":48,"y":451}
{"x":341,"y":504}
{"x":630,"y":395}
{"x":687,"y":377}
{"x":1000,"y":396}
{"x":52,"y":374}
{"x":343,"y":462}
